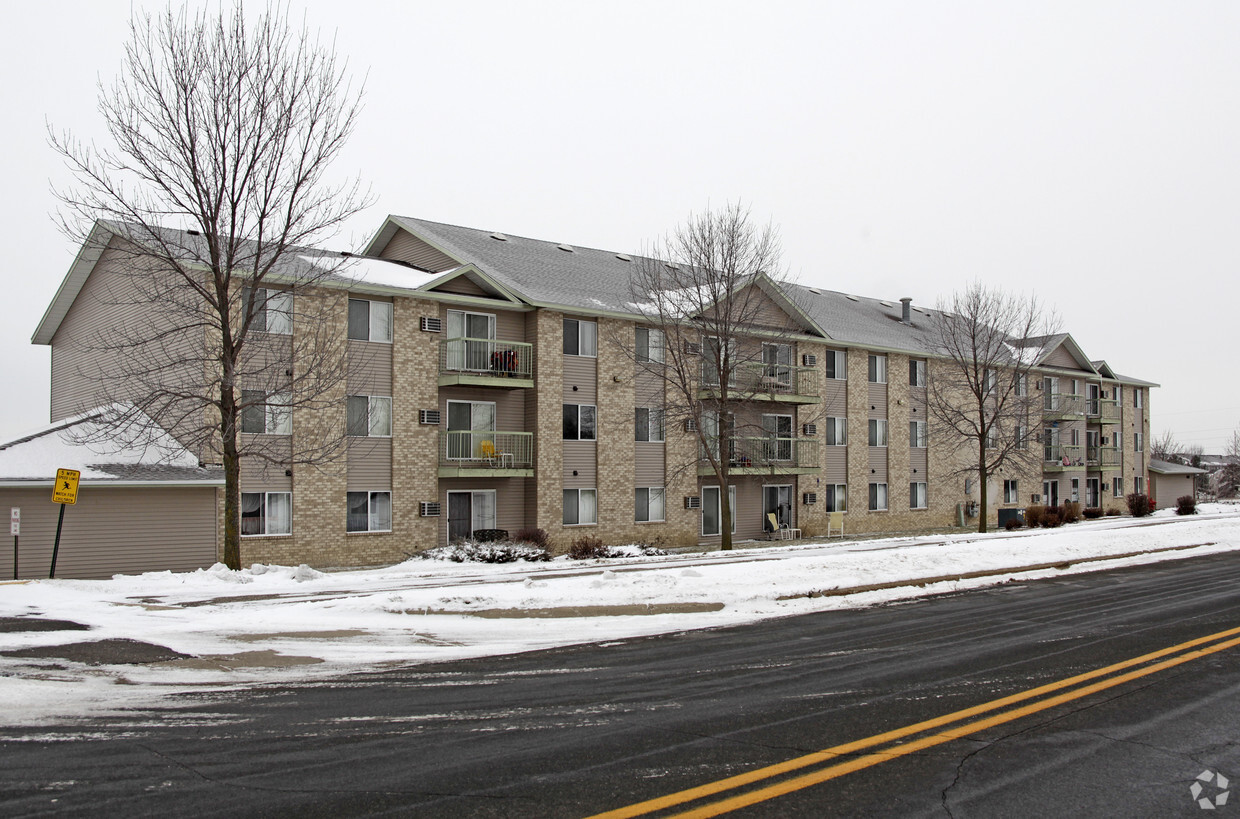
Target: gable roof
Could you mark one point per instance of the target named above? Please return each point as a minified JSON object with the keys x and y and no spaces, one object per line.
{"x":1168,"y":468}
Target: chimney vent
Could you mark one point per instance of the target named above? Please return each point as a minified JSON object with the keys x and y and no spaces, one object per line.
{"x":907,"y":312}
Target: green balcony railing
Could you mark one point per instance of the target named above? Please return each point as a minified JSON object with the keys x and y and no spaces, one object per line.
{"x":486,"y":450}
{"x":486,"y":357}
{"x":1062,"y":457}
{"x":1061,"y":404}
{"x":769,"y":454}
{"x":1102,"y":457}
{"x":1104,"y":410}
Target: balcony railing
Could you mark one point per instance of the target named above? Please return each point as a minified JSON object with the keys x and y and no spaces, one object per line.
{"x":779,"y":381}
{"x":1062,"y":457}
{"x":486,"y":358}
{"x":1103,"y":410}
{"x":1102,"y":457}
{"x":768,"y":455}
{"x":1060,"y":404}
{"x":486,"y":450}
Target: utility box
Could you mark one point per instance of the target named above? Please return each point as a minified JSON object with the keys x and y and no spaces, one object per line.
{"x":1011,"y":514}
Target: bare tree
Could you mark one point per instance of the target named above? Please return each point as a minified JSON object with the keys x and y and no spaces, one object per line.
{"x":704,"y":293}
{"x":1166,"y":448}
{"x":984,"y":400}
{"x":222,"y":133}
{"x":1228,"y":477}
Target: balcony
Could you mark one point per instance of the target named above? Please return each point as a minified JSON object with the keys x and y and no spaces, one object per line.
{"x":1102,"y":457}
{"x":1102,"y":411}
{"x":1059,"y":458}
{"x":768,"y":456}
{"x":769,"y":382}
{"x":1062,"y":405}
{"x":486,"y":362}
{"x":486,"y":454}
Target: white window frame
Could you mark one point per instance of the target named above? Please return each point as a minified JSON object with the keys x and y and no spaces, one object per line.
{"x":273,"y":307}
{"x":577,"y":503}
{"x":776,"y":443}
{"x":587,"y":337}
{"x":654,"y":424}
{"x":918,"y":496}
{"x":1022,"y":385}
{"x":593,"y":413}
{"x":477,"y":435}
{"x":718,"y":509}
{"x":374,"y":511}
{"x":1138,"y":484}
{"x":917,"y":434}
{"x":1011,"y":491}
{"x":481,"y":515}
{"x":876,"y":371}
{"x":878,"y":494}
{"x":642,"y":504}
{"x":1117,"y":486}
{"x":1138,"y":398}
{"x":1138,"y":442}
{"x":651,"y":348}
{"x":839,"y":365}
{"x":917,"y":372}
{"x":265,"y":516}
{"x":835,"y":495}
{"x":378,"y":318}
{"x":277,"y":415}
{"x":376,"y":405}
{"x":837,"y":429}
{"x":878,"y":432}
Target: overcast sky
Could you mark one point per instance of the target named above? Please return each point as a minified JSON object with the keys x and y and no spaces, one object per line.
{"x":1085,"y":152}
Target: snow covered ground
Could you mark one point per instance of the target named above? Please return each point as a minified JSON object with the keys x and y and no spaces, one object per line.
{"x":285,"y":624}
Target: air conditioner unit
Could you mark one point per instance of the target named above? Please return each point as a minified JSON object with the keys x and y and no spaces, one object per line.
{"x":809,"y":430}
{"x":693,"y":502}
{"x":429,"y":510}
{"x":809,"y":360}
{"x":693,"y":348}
{"x":428,"y":417}
{"x":432,"y":325}
{"x":809,"y":498}
{"x":690,"y":425}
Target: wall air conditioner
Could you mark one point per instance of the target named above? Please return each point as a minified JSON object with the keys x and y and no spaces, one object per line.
{"x":809,"y":498}
{"x":809,"y":430}
{"x":429,"y":510}
{"x":809,"y":360}
{"x":693,"y":502}
{"x":428,"y":417}
{"x":693,"y":348}
{"x":432,"y":324}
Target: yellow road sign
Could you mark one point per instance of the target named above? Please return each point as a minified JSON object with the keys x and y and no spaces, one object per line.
{"x":66,"y":487}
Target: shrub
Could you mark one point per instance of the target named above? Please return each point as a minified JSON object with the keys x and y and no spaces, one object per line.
{"x":1012,"y":523}
{"x":534,"y":537}
{"x":1034,"y":515}
{"x":1052,"y":520}
{"x":1139,"y":505}
{"x":1092,"y":512}
{"x":588,"y":547}
{"x":1070,"y":512}
{"x":1186,"y":505}
{"x":1113,"y":512}
{"x":466,"y":551}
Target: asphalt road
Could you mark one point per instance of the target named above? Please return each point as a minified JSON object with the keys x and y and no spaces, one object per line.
{"x":580,"y":731}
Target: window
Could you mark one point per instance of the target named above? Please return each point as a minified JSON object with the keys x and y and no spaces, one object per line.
{"x":878,"y":369}
{"x":718,"y":360}
{"x":1076,"y":436}
{"x":580,"y":507}
{"x":370,"y":320}
{"x":836,"y":497}
{"x":777,"y":359}
{"x":916,"y":372}
{"x":917,"y":434}
{"x":1022,"y":384}
{"x":1138,"y":484}
{"x":992,"y":438}
{"x":991,"y":379}
{"x":878,"y":497}
{"x":916,"y":495}
{"x":649,"y":345}
{"x":471,"y":436}
{"x":712,"y":511}
{"x":836,"y":368}
{"x":778,"y":430}
{"x":1119,"y":394}
{"x":1138,"y":441}
{"x":580,"y":338}
{"x":1076,"y":490}
{"x":369,"y":415}
{"x":1022,"y":436}
{"x":369,"y":512}
{"x":266,"y":513}
{"x":1119,"y":487}
{"x":837,"y":432}
{"x":1138,"y":398}
{"x":1010,"y":492}
{"x":878,"y":432}
{"x":273,"y":310}
{"x":648,"y":424}
{"x":648,"y":504}
{"x":270,"y":417}
{"x":579,"y":422}
{"x":471,"y":342}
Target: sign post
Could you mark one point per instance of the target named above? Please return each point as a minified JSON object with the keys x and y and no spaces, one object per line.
{"x":15,"y":529}
{"x":64,"y":491}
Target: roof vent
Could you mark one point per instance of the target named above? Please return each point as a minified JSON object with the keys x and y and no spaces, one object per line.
{"x":814,"y":290}
{"x":907,"y":316}
{"x":887,"y":304}
{"x":499,"y":237}
{"x":567,"y":248}
{"x":624,"y":257}
{"x":193,"y":233}
{"x":851,"y":297}
{"x":345,"y":253}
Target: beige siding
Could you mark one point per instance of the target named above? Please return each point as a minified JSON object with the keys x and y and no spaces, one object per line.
{"x":649,"y":467}
{"x":406,"y":247}
{"x":509,"y":405}
{"x":580,"y":380}
{"x":1060,"y":357}
{"x":370,"y":368}
{"x":835,"y":396}
{"x":114,"y":531}
{"x":259,"y":474}
{"x":877,"y":398}
{"x":580,"y":457}
{"x":878,"y":464}
{"x":836,"y":465}
{"x":463,"y":286}
{"x":648,"y":388}
{"x":370,"y":464}
{"x":918,"y":463}
{"x":510,"y":501}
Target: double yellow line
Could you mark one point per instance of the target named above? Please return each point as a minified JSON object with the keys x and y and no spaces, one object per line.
{"x":774,"y":781}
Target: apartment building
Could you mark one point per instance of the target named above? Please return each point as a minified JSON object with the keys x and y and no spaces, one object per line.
{"x":500,"y":382}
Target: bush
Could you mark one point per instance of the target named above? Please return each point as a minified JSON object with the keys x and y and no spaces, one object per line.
{"x":1070,"y":512}
{"x":1012,"y":523}
{"x":1052,"y":519}
{"x":1139,"y":505}
{"x":467,"y":551}
{"x":588,"y":547}
{"x":1186,"y":505}
{"x":1092,"y":512}
{"x":534,"y":537}
{"x":1114,"y":512}
{"x":1034,"y":516}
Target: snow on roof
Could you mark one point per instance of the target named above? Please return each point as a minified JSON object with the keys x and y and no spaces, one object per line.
{"x":103,"y":448}
{"x":369,"y":270}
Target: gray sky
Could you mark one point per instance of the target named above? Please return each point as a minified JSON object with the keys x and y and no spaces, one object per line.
{"x":1085,"y":152}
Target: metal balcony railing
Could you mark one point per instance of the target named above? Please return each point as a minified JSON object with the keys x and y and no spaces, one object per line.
{"x":771,"y":454}
{"x":478,"y":450}
{"x":486,"y":356}
{"x":1059,"y":404}
{"x":1062,"y":457}
{"x":1105,"y":410}
{"x":1102,"y":457}
{"x":772,"y":379}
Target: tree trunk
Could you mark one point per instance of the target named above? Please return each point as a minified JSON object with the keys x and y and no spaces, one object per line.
{"x":981,"y":486}
{"x":232,"y":481}
{"x":725,"y":510}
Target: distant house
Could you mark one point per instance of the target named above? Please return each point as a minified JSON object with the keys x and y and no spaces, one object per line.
{"x":1169,"y":481}
{"x":142,"y":506}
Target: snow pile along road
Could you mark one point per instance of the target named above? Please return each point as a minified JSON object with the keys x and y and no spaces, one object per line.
{"x":285,"y":623}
